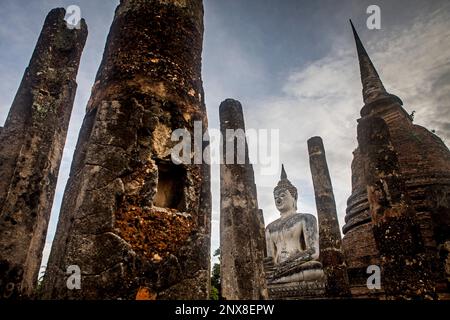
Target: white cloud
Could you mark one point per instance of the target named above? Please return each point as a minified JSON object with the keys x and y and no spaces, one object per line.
{"x":417,"y":68}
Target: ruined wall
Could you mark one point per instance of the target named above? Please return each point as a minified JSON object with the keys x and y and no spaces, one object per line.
{"x":31,"y":147}
{"x":131,"y":219}
{"x":242,"y":240}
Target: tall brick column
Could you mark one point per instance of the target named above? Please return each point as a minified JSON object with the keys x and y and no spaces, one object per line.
{"x":31,"y":147}
{"x":330,"y":243}
{"x":242,"y":241}
{"x":136,"y":223}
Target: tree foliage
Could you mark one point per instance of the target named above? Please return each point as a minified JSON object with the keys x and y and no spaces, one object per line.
{"x":215,"y":278}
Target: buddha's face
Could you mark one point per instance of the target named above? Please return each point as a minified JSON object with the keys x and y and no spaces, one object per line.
{"x":284,"y":201}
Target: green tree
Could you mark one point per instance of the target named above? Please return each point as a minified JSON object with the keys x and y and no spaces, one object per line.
{"x":215,"y":278}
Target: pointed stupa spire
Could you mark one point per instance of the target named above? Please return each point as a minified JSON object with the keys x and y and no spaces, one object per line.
{"x":283,"y":173}
{"x":373,"y":88}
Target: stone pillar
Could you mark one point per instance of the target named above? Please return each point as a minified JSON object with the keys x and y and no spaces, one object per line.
{"x":135,"y":216}
{"x":242,"y":241}
{"x":330,"y":243}
{"x":406,"y":271}
{"x":31,"y":147}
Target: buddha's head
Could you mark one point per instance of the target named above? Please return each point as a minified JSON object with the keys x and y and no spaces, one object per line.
{"x":285,"y":195}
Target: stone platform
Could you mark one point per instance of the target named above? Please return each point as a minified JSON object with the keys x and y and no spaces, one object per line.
{"x":307,"y":283}
{"x":297,"y":290}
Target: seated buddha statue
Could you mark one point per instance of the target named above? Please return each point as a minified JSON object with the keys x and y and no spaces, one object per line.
{"x":292,"y":240}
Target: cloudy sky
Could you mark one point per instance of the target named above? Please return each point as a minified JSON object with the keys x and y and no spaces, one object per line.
{"x":291,"y":63}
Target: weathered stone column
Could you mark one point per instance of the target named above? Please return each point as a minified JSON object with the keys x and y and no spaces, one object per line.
{"x":406,"y":271}
{"x":242,"y":241}
{"x":330,"y":242}
{"x":134,"y":221}
{"x":31,"y":147}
